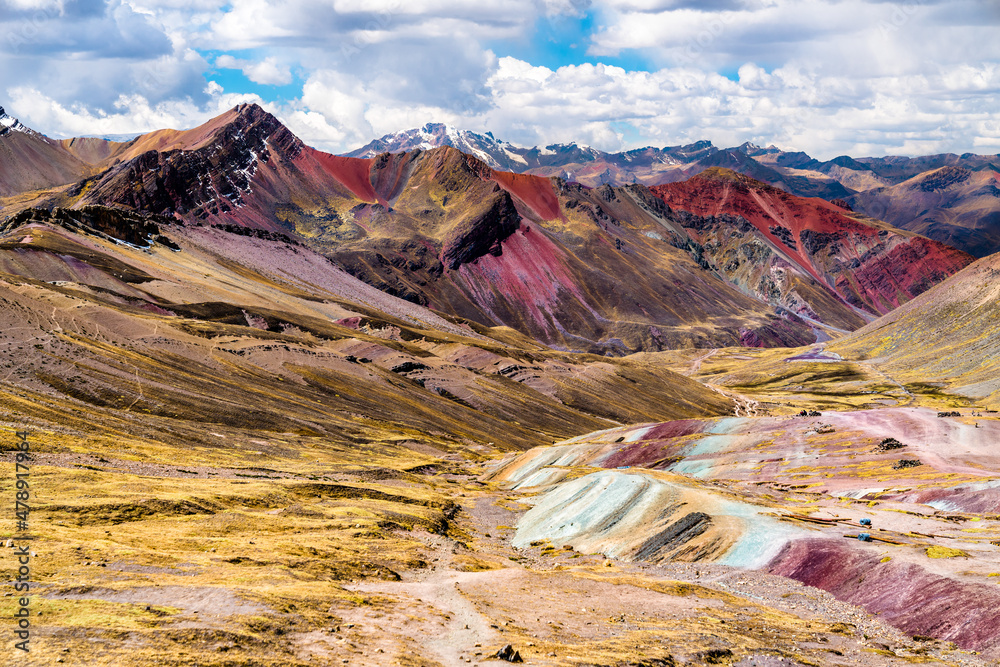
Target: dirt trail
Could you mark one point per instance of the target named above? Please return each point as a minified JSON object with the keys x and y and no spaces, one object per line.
{"x":546,"y":604}
{"x":745,"y":407}
{"x":696,"y":364}
{"x":464,"y":626}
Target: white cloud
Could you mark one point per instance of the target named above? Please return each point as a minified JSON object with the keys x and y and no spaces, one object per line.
{"x":332,"y":26}
{"x":266,"y":72}
{"x":132,"y":113}
{"x":13,"y":6}
{"x":825,"y":76}
{"x":846,"y":36}
{"x":823,"y":114}
{"x":80,"y":29}
{"x":343,"y":111}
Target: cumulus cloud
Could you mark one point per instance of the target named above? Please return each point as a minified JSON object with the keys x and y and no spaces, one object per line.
{"x":132,"y":114}
{"x":81,"y":28}
{"x":825,"y":76}
{"x":340,"y":111}
{"x":89,"y":53}
{"x":849,"y":36}
{"x":790,"y":106}
{"x":333,"y":25}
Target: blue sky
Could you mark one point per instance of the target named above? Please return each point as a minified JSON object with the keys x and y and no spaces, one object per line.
{"x":825,"y":76}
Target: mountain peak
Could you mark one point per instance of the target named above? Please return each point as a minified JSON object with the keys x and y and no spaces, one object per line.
{"x":698,"y":145}
{"x":251,"y":112}
{"x":248,"y":107}
{"x":495,"y":153}
{"x":720,"y":174}
{"x":211,"y":168}
{"x":11,"y":124}
{"x":948,"y":176}
{"x":246,"y":122}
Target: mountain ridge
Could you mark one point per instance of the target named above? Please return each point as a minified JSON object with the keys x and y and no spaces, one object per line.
{"x":610,"y":270}
{"x":844,"y":177}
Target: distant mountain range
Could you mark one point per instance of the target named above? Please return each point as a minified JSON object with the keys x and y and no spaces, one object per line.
{"x":967,"y":217}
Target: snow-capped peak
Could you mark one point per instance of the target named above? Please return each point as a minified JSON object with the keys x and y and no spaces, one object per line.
{"x":11,"y":124}
{"x":496,"y":153}
{"x":486,"y":147}
{"x":5,"y":120}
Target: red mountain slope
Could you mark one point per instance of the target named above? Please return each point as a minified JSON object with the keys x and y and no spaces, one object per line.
{"x":947,"y":336}
{"x":576,"y":268}
{"x":869,"y":264}
{"x":608,"y":270}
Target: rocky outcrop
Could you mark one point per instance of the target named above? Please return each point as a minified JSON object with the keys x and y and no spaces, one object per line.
{"x":138,"y":229}
{"x":390,"y":173}
{"x":482,"y":233}
{"x":211,"y":179}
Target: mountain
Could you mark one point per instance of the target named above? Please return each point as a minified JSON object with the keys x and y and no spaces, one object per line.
{"x":606,"y":270}
{"x":824,"y":178}
{"x":231,"y":430}
{"x":30,"y":161}
{"x":964,"y":218}
{"x":572,"y":267}
{"x":943,"y":340}
{"x":954,"y":205}
{"x":497,"y":154}
{"x":794,"y":181}
{"x":10,"y":124}
{"x":898,"y":168}
{"x":778,"y":490}
{"x":582,"y":164}
{"x":209,"y":319}
{"x":592,"y":167}
{"x":268,"y":396}
{"x":799,"y":250}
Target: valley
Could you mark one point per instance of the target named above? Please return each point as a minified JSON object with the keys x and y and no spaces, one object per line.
{"x":292,"y":408}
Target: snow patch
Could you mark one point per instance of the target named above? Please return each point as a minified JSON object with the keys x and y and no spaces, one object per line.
{"x":14,"y":125}
{"x":515,"y":157}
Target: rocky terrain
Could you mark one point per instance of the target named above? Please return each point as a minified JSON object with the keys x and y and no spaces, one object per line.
{"x":607,"y":270}
{"x":871,"y":266}
{"x":960,"y":317}
{"x":939,"y":207}
{"x":290,"y":408}
{"x":788,"y":507}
